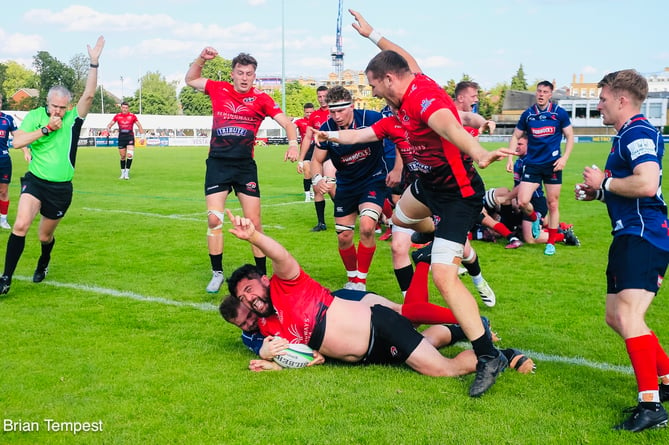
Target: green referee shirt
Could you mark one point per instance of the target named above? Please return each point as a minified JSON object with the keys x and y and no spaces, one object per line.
{"x":54,"y":155}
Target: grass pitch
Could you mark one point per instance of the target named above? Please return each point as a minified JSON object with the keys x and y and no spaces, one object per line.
{"x":122,"y":331}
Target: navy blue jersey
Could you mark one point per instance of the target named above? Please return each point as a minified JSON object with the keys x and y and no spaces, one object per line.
{"x":388,"y":145}
{"x":637,"y":142}
{"x":253,"y":341}
{"x":7,"y":126}
{"x":358,"y":161}
{"x":544,"y":132}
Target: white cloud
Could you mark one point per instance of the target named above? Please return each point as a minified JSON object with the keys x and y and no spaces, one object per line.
{"x":17,"y":43}
{"x":83,"y":18}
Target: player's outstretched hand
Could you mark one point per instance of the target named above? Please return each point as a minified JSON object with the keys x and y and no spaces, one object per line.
{"x":259,"y":365}
{"x":242,"y":227}
{"x":361,"y":25}
{"x":493,"y":156}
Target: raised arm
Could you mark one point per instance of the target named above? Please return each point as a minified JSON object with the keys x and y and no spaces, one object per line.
{"x":366,"y":30}
{"x":194,"y":74}
{"x":283,"y":264}
{"x":86,"y":100}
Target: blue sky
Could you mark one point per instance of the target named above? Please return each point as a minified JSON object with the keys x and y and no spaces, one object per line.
{"x":488,"y":40}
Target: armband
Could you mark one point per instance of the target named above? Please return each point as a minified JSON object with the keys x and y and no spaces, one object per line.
{"x":292,"y":143}
{"x":332,"y":135}
{"x":316,"y":179}
{"x":375,"y":36}
{"x":606,"y":184}
{"x":599,"y":195}
{"x":94,"y":65}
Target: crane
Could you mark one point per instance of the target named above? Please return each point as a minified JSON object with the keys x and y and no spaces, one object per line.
{"x":338,"y":52}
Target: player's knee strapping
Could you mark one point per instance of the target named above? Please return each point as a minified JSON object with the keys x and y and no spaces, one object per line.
{"x":371,"y":213}
{"x":341,"y":228}
{"x":217,"y":230}
{"x":445,"y":252}
{"x":471,"y":257}
{"x":401,"y":217}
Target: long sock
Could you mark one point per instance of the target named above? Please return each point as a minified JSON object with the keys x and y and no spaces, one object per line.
{"x":320,"y":211}
{"x":350,"y":259}
{"x":641,"y":351}
{"x":15,"y":246}
{"x":216,"y":262}
{"x":661,"y":357}
{"x":45,"y":257}
{"x":428,"y":313}
{"x":551,"y":235}
{"x":473,"y":268}
{"x":4,"y":207}
{"x":404,"y":276}
{"x":483,"y":346}
{"x":457,"y":334}
{"x":261,"y":264}
{"x":306,"y":184}
{"x":502,"y":229}
{"x":418,"y":289}
{"x":365,"y":257}
{"x":387,"y":209}
{"x":128,"y":163}
{"x":122,"y":164}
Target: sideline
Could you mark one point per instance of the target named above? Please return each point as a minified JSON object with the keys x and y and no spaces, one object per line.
{"x":208,"y":307}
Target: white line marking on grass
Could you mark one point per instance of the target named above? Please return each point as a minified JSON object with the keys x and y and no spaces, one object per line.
{"x":208,"y":307}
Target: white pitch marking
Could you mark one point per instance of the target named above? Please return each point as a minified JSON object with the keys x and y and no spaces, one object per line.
{"x":208,"y":307}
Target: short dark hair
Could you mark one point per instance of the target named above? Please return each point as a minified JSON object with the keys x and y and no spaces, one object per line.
{"x":321,"y":88}
{"x":229,"y":308}
{"x":308,"y":105}
{"x":245,"y":59}
{"x":386,"y":62}
{"x":545,"y":83}
{"x":125,"y":103}
{"x":461,"y":86}
{"x":338,"y":94}
{"x":248,"y":271}
{"x":629,"y":81}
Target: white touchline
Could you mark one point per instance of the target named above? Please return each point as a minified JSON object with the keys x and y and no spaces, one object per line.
{"x":208,"y":307}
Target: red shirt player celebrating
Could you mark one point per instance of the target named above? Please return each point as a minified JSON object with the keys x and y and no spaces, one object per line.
{"x":126,"y":122}
{"x":238,"y":109}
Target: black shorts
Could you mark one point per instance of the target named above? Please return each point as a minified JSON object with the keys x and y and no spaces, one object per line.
{"x":349,"y":197}
{"x":310,"y":152}
{"x":125,"y":139}
{"x":350,"y":294}
{"x":538,"y":173}
{"x":392,"y":339}
{"x":223,"y":175}
{"x":55,"y":197}
{"x":634,"y":263}
{"x":5,"y":170}
{"x":454,"y":215}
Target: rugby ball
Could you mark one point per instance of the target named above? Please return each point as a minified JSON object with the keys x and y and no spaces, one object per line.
{"x":296,"y":356}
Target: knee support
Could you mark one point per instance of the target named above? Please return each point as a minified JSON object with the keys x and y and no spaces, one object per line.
{"x":341,"y":228}
{"x":370,"y":213}
{"x":401,"y":216}
{"x":130,"y":151}
{"x":445,"y":252}
{"x":218,"y":230}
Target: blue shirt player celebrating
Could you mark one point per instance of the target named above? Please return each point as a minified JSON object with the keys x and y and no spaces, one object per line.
{"x":631,"y":187}
{"x":361,"y":184}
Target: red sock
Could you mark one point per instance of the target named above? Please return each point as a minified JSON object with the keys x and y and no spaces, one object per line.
{"x":387,"y":209}
{"x":365,"y":257}
{"x":417,"y":291}
{"x":502,"y":229}
{"x":349,"y":258}
{"x":428,"y":313}
{"x":559,"y":237}
{"x":551,"y":235}
{"x":4,"y":207}
{"x":533,"y":216}
{"x":642,"y":353}
{"x":661,"y":357}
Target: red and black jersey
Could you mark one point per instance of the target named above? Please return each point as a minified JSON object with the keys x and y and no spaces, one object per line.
{"x":237,"y":118}
{"x":125,"y":122}
{"x":440,"y":164}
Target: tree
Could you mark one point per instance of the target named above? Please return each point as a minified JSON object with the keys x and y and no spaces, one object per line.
{"x":195,"y":103}
{"x":155,"y":95}
{"x":296,"y":96}
{"x":52,"y":72}
{"x":518,"y":82}
{"x":111,"y":104}
{"x":16,"y":77}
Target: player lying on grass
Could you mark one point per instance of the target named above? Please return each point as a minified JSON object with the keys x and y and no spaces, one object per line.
{"x":337,"y":328}
{"x":267,"y":347}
